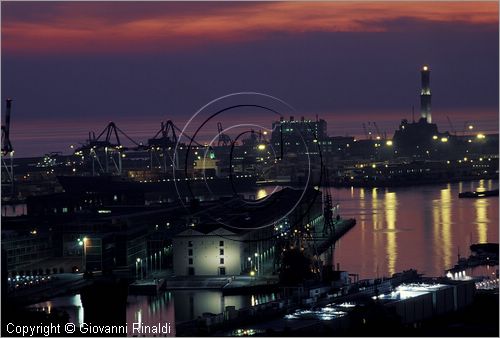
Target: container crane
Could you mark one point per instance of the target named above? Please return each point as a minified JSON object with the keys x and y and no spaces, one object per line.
{"x":451,"y":125}
{"x":7,"y":150}
{"x":224,"y":140}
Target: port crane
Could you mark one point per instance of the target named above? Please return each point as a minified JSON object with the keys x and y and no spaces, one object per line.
{"x":106,"y":145}
{"x":451,"y":125}
{"x":365,"y":131}
{"x":224,"y":140}
{"x":163,"y":142}
{"x":7,"y":150}
{"x":106,"y":150}
{"x":376,"y":128}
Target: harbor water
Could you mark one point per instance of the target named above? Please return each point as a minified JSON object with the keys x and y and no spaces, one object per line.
{"x":167,"y":307}
{"x":421,"y":227}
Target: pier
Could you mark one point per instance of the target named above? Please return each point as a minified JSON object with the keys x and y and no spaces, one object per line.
{"x":321,"y":243}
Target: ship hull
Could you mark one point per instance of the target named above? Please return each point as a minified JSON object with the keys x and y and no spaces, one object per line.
{"x":169,"y":187}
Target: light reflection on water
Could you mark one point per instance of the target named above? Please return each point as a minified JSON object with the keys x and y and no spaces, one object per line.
{"x":168,"y":307}
{"x":72,"y":305}
{"x":392,"y":246}
{"x":151,"y":310}
{"x":191,"y":304}
{"x":482,"y":221}
{"x":422,"y":227}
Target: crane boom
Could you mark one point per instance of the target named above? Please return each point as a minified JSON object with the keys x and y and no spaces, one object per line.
{"x":364,"y":130}
{"x":376,"y":128}
{"x":6,"y":145}
{"x":451,"y":125}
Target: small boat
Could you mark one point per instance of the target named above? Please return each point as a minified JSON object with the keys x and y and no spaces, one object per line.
{"x":478,"y":194}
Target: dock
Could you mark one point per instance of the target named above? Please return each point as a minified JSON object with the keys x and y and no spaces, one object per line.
{"x":341,"y":227}
{"x":147,"y":286}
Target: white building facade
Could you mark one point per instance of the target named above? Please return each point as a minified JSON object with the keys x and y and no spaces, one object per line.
{"x":217,"y":253}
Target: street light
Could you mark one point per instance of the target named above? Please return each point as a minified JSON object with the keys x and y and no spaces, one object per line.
{"x":85,"y":253}
{"x":82,"y":243}
{"x":137,"y":262}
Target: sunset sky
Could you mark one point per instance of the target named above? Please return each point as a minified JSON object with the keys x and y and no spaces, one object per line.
{"x":71,"y":67}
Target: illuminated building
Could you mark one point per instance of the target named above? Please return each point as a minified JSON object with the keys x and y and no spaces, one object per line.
{"x":206,"y":166}
{"x":296,"y":135}
{"x":417,"y":302}
{"x":421,"y":139}
{"x":240,"y":237}
{"x":208,"y":251}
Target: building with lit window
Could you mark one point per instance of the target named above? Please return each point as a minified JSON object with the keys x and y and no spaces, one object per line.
{"x":239,"y":237}
{"x":299,"y":136}
{"x":23,"y":248}
{"x":209,"y":251}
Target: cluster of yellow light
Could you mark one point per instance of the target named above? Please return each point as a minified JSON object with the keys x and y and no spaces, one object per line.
{"x":481,"y":136}
{"x":444,"y":139}
{"x":389,"y":143}
{"x":434,"y":137}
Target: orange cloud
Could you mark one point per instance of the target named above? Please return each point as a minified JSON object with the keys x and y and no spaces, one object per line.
{"x":95,"y":27}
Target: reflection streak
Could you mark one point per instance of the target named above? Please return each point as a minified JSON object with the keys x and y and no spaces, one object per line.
{"x":390,"y":214}
{"x":481,"y":206}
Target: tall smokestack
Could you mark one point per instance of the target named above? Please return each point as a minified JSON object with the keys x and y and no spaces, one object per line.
{"x":425,"y":94}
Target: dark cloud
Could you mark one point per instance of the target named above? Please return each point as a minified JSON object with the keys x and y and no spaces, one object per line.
{"x":343,"y":76}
